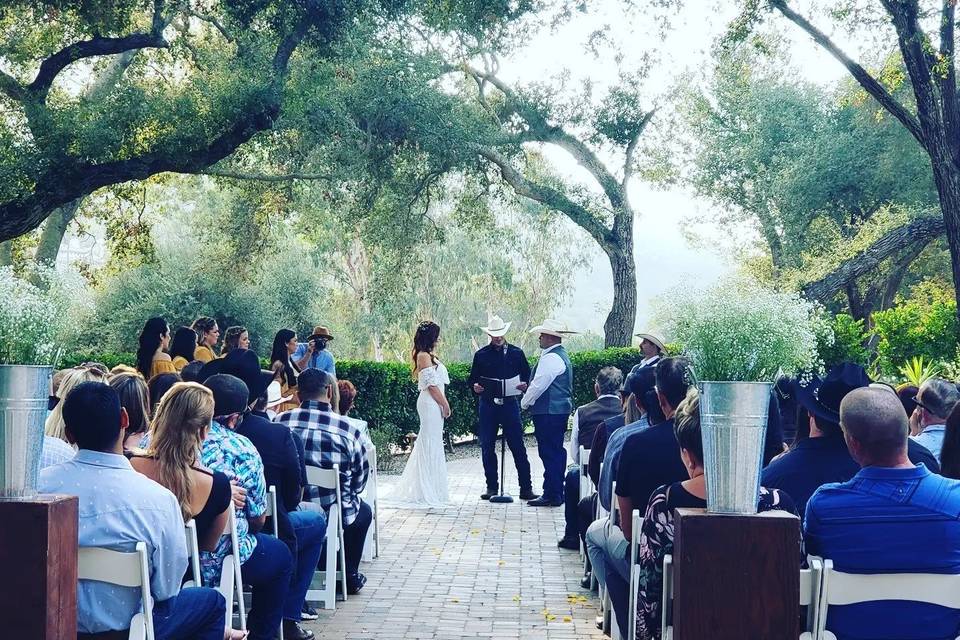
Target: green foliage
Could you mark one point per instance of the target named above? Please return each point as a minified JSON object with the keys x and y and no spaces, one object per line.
{"x":848,"y":344}
{"x":925,"y":324}
{"x":916,"y":371}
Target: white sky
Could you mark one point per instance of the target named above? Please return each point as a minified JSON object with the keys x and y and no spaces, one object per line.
{"x":664,"y":257}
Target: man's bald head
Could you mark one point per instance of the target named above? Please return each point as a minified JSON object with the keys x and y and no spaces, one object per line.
{"x":875,"y":426}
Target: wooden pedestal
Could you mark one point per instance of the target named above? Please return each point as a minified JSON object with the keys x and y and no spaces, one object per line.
{"x":736,"y":576}
{"x":38,"y":568}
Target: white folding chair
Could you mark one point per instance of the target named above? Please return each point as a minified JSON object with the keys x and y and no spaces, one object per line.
{"x":327,"y":596}
{"x":583,"y":462}
{"x":271,"y":511}
{"x":193,"y":553}
{"x":810,"y":597}
{"x":634,"y":575}
{"x":839,"y":588}
{"x":231,"y":583}
{"x":371,"y":546}
{"x":124,"y":569}
{"x":609,"y":620}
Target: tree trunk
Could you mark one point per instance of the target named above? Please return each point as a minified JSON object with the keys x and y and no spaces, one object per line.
{"x":53,"y":231}
{"x":947,"y":178}
{"x":618,"y":329}
{"x":6,"y":253}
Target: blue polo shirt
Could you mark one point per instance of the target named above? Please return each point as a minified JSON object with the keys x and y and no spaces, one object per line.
{"x":889,"y":521}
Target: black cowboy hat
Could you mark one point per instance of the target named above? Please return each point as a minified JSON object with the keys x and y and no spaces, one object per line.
{"x":243,"y":364}
{"x":821,"y":397}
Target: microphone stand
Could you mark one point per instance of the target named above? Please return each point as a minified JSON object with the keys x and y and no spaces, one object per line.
{"x":503,"y":498}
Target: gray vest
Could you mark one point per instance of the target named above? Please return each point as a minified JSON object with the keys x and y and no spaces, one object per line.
{"x":558,"y":398}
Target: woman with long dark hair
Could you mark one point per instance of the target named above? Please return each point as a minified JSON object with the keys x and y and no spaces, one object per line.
{"x":424,"y":479}
{"x":235,"y":338}
{"x":284,"y":370}
{"x":152,"y":358}
{"x":182,"y":347}
{"x":950,"y":453}
{"x":208,"y":334}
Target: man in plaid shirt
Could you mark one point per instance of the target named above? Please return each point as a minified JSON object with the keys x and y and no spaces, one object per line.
{"x":328,"y":439}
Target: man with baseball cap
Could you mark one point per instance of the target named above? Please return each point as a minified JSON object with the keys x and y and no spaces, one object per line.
{"x":501,"y":360}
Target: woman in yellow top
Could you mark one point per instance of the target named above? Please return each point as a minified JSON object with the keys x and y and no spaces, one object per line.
{"x":235,"y":338}
{"x":182,"y":347}
{"x":208,"y":334}
{"x":285,"y":372}
{"x":152,"y":358}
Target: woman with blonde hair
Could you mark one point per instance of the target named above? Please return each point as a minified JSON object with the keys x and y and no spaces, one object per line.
{"x":235,"y":338}
{"x":73,"y":377}
{"x":172,"y":459}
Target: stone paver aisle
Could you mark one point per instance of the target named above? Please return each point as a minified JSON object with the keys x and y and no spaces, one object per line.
{"x":472,"y":570}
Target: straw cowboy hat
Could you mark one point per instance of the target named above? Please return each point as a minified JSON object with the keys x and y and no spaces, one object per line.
{"x":553,"y":328}
{"x":320,"y":331}
{"x":654,"y":339}
{"x":496,"y":327}
{"x":274,"y":397}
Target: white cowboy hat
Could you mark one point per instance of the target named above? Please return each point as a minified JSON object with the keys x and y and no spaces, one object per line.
{"x":496,"y":327}
{"x":553,"y":328}
{"x":273,"y":395}
{"x":654,"y":339}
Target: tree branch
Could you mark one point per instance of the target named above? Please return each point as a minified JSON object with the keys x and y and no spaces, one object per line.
{"x":262,"y":177}
{"x":628,"y":167}
{"x":921,"y":231}
{"x":867,"y":81}
{"x":11,"y":87}
{"x":548,"y":197}
{"x":948,"y":83}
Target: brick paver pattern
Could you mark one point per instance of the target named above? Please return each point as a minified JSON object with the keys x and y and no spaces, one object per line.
{"x":471,"y":570}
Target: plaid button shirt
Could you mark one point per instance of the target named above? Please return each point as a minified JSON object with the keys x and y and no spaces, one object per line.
{"x":328,"y":439}
{"x":234,"y":455}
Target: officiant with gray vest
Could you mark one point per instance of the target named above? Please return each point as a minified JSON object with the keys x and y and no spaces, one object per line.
{"x":550,"y":401}
{"x":500,"y":373}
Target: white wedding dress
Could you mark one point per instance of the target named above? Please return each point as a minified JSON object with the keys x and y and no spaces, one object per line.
{"x":424,"y":479}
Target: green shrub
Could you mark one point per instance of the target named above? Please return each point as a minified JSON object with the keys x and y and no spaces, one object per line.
{"x":849,"y":340}
{"x":925,"y":324}
{"x":387,"y":394}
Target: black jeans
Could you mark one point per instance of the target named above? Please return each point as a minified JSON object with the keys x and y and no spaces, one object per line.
{"x":571,"y":496}
{"x":354,"y":535}
{"x":492,"y":417}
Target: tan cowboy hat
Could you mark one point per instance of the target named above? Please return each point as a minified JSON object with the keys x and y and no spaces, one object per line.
{"x":320,"y":331}
{"x":273,"y":395}
{"x":553,"y":328}
{"x":654,"y":339}
{"x":496,"y":327}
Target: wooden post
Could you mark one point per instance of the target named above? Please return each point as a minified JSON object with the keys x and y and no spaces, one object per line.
{"x":736,"y":577}
{"x":38,"y":562}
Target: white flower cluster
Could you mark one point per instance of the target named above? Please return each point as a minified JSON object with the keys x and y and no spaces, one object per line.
{"x":38,"y":315}
{"x":740,"y":331}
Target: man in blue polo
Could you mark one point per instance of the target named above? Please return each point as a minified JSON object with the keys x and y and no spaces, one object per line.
{"x":891,"y":517}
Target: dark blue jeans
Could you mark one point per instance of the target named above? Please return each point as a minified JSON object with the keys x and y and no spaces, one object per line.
{"x":571,"y":497}
{"x":195,"y":613}
{"x":267,"y":571}
{"x":506,"y":416}
{"x":549,"y":429}
{"x":309,"y":527}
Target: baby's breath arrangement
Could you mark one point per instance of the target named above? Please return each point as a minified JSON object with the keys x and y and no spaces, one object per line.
{"x":740,"y":331}
{"x":37,"y":317}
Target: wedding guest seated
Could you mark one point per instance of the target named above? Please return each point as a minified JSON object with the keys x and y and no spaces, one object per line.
{"x":348,"y":394}
{"x":135,"y":399}
{"x":328,"y":439}
{"x":55,"y":425}
{"x":235,"y":338}
{"x":935,"y":400}
{"x":283,"y":467}
{"x":152,"y":357}
{"x":950,"y":453}
{"x":906,"y":393}
{"x":649,"y":459}
{"x":266,"y":562}
{"x":656,"y":530}
{"x":586,"y":420}
{"x":176,"y":435}
{"x":891,"y":517}
{"x":118,"y":508}
{"x":123,"y":368}
{"x":191,"y":372}
{"x":822,"y":456}
{"x":182,"y":347}
{"x":158,"y":386}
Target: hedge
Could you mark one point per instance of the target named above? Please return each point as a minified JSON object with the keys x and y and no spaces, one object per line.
{"x":387,"y":394}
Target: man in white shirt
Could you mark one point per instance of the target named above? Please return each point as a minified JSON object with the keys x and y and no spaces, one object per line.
{"x":550,"y":401}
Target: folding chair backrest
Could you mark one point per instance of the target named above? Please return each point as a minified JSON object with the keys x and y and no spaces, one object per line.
{"x":635,"y":520}
{"x":124,"y":569}
{"x":271,"y":511}
{"x":236,"y":580}
{"x":614,"y":504}
{"x":193,"y":552}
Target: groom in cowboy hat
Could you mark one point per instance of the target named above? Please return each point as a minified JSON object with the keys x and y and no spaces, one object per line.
{"x":550,"y":400}
{"x":502,"y":361}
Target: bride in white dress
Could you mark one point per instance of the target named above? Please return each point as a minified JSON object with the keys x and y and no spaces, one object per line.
{"x":424,"y":479}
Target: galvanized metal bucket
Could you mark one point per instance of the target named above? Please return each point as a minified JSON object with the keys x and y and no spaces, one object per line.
{"x":23,"y":411}
{"x":733,"y":421}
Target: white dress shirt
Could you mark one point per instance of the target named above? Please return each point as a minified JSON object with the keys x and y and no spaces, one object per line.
{"x":573,"y":447}
{"x":548,"y":368}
